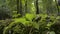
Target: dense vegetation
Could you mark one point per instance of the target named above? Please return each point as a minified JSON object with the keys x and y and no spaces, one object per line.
{"x":29,"y":17}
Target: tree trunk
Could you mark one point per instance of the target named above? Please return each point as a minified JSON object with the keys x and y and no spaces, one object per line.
{"x":26,"y":6}
{"x":20,"y":8}
{"x":37,"y":8}
{"x":17,"y":6}
{"x":57,"y":6}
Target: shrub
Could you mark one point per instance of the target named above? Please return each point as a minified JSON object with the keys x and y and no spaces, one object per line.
{"x":25,"y":25}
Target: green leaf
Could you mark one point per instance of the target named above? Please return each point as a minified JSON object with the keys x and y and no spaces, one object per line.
{"x":30,"y":16}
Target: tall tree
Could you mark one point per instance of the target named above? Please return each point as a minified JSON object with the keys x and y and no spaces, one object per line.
{"x":26,"y":6}
{"x":20,"y":8}
{"x":17,"y":6}
{"x":37,"y":8}
{"x":58,"y":7}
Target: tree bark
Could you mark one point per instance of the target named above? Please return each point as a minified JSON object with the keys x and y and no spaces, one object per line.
{"x":26,"y":6}
{"x":20,"y":10}
{"x":17,"y":6}
{"x":57,"y":6}
{"x":37,"y":8}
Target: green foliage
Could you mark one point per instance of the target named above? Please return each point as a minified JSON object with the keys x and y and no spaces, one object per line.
{"x":4,"y":23}
{"x":29,"y":22}
{"x":22,"y":25}
{"x":30,"y":16}
{"x":15,"y":15}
